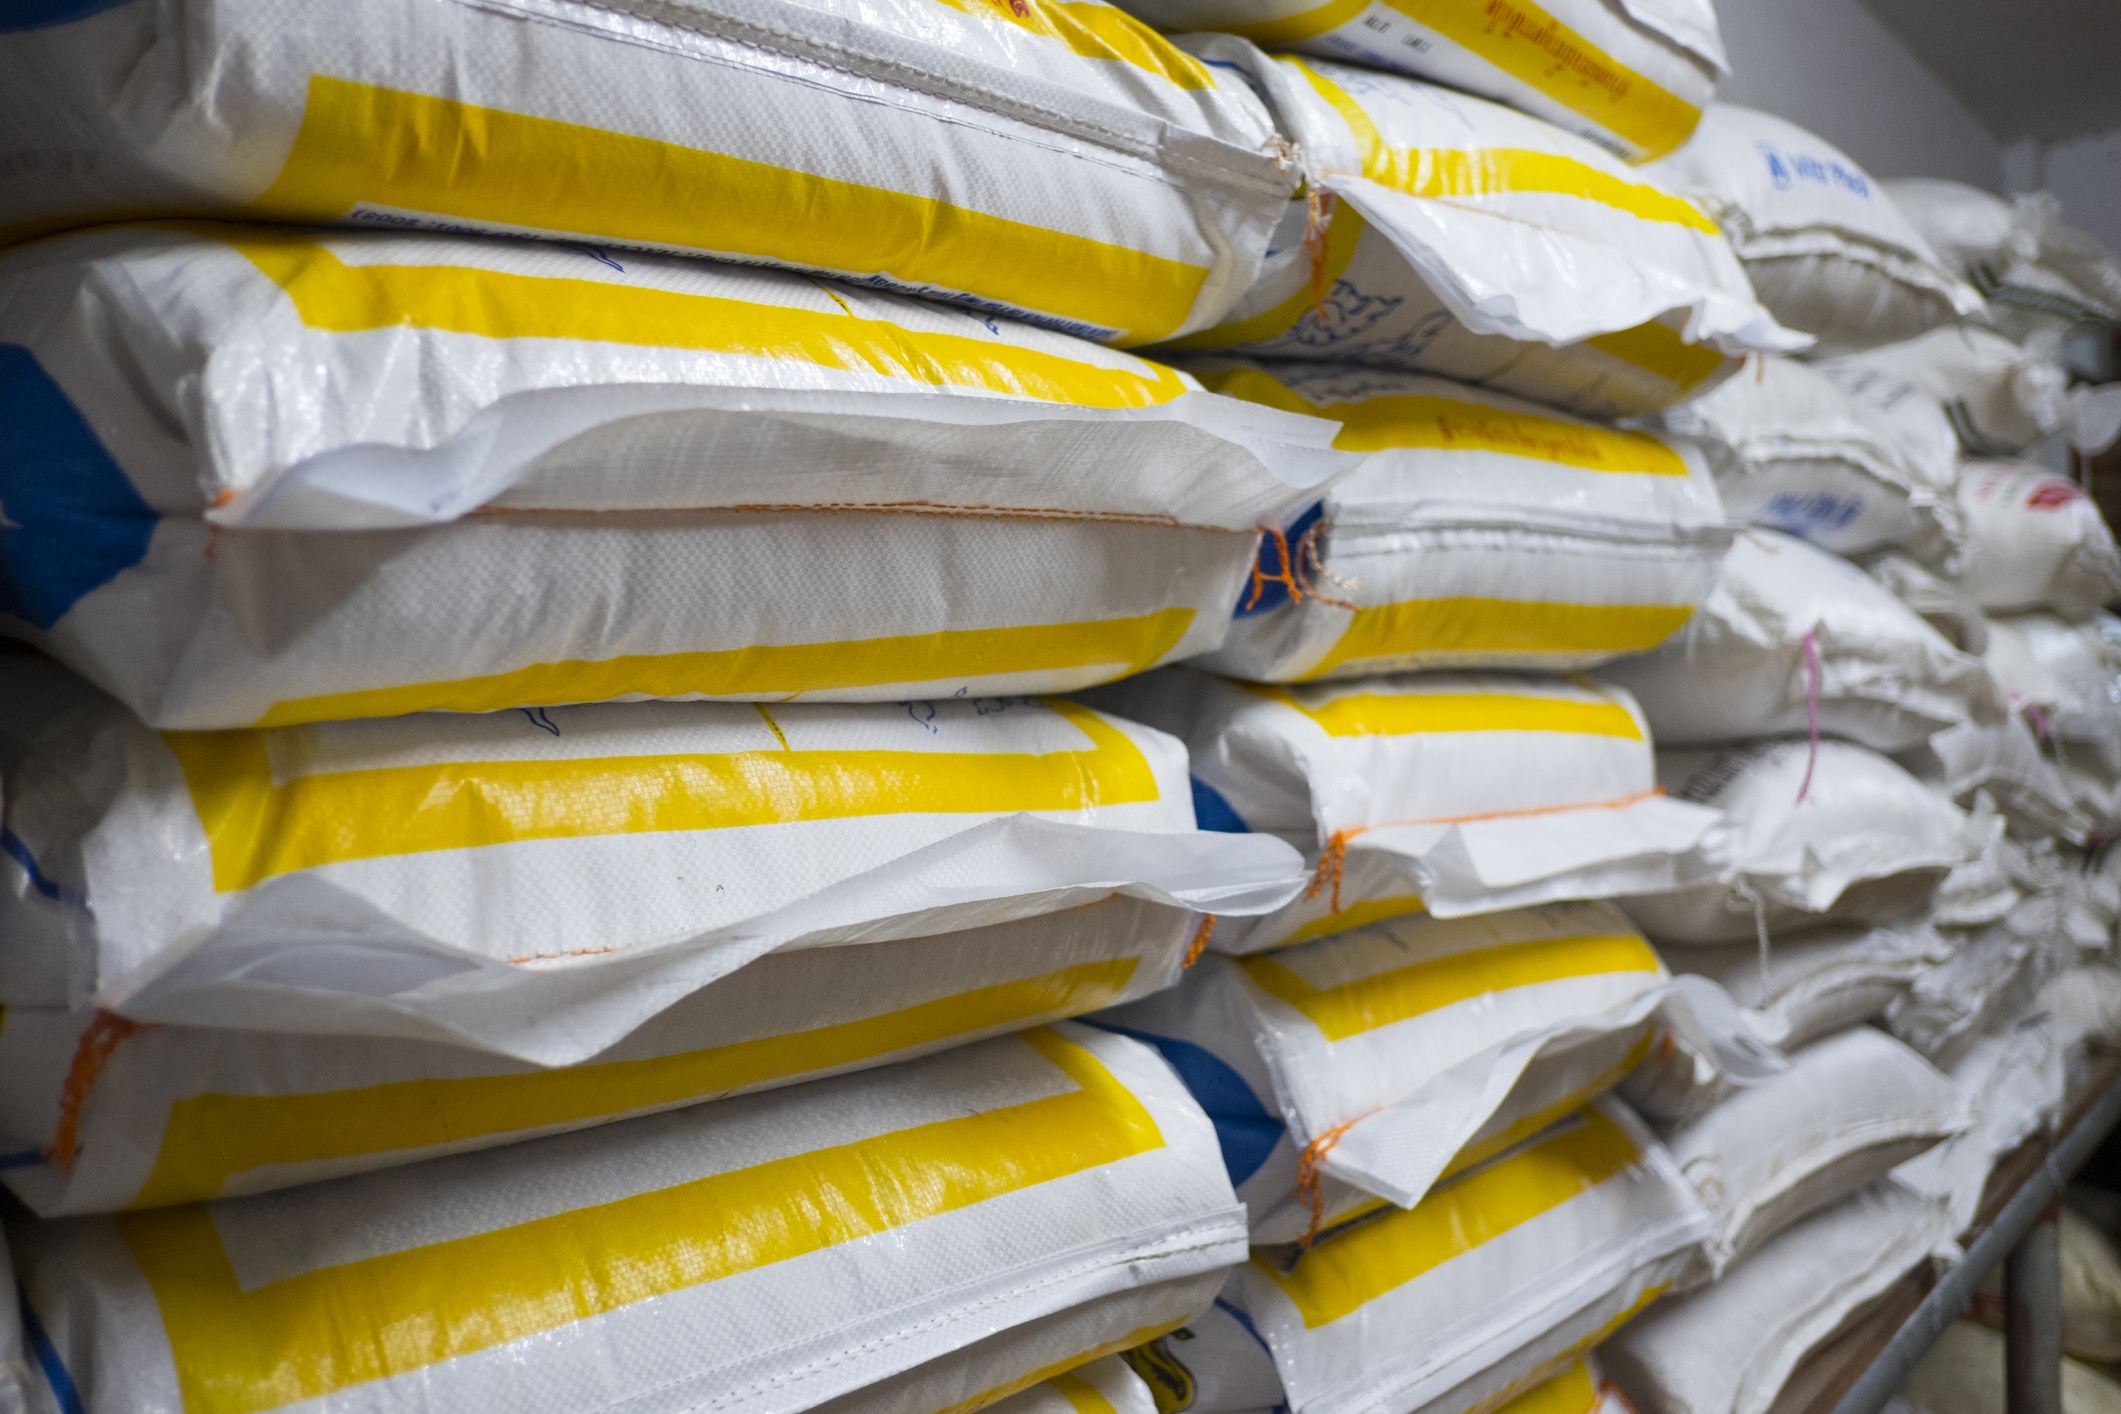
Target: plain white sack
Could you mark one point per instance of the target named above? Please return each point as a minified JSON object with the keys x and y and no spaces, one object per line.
{"x":2066,"y":678}
{"x":1867,"y":843}
{"x":1793,"y":637}
{"x":1824,"y":246}
{"x":2014,"y":1081}
{"x":1818,"y":982}
{"x":539,"y":884}
{"x":1729,"y":1348}
{"x":2035,"y":540}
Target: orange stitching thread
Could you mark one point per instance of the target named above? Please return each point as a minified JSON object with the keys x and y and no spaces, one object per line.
{"x":1199,"y":945}
{"x":1309,"y":556}
{"x":1331,"y":861}
{"x":104,"y":1035}
{"x":1286,"y":577}
{"x":1311,"y":1174}
{"x":1318,"y":218}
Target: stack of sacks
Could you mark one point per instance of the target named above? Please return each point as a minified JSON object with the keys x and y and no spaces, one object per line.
{"x":2066,"y":678}
{"x":2035,"y":271}
{"x":1999,"y":398}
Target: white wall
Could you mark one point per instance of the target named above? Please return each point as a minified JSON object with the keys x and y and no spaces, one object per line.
{"x":1830,"y":66}
{"x":2084,"y":173}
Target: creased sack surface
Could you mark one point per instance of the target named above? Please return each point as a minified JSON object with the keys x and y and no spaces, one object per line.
{"x":1631,"y":77}
{"x":677,"y":1258}
{"x":1823,"y":244}
{"x":1997,"y":397}
{"x":1057,"y":161}
{"x":1821,"y":981}
{"x":2035,"y":540}
{"x":2013,"y":1080}
{"x":1471,"y":241}
{"x":1455,"y":792}
{"x":1480,"y":532}
{"x":1390,"y":1051}
{"x":1487,"y":1285}
{"x":259,"y":476}
{"x":541,"y":883}
{"x":1790,"y":631}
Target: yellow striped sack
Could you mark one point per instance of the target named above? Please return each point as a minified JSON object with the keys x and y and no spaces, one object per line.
{"x":1106,"y":1385}
{"x":277,"y":475}
{"x":1441,"y":233}
{"x":1632,"y":77}
{"x":1482,"y":1290}
{"x":1479,"y":532}
{"x":539,"y":884}
{"x":1389,"y":1050}
{"x":1048,"y":159}
{"x":1456,"y":793}
{"x":850,"y":1244}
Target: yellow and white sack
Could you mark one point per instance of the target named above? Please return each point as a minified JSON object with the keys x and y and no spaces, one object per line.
{"x":1795,"y":452}
{"x":1825,"y":834}
{"x":1479,"y":532}
{"x":1999,"y":398}
{"x":541,"y":883}
{"x":1452,"y":792}
{"x":2035,"y":540}
{"x":1053,"y":161}
{"x":1388,"y":1050}
{"x":939,"y":1222}
{"x":1440,"y":233}
{"x":1818,"y":982}
{"x":1488,"y":1285}
{"x":1632,"y":78}
{"x":1794,"y":638}
{"x":1730,"y":1348}
{"x":1824,"y":246}
{"x":581,"y":477}
{"x":1106,"y":1385}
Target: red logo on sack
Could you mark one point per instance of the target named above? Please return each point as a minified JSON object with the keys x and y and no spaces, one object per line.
{"x":2048,"y":495}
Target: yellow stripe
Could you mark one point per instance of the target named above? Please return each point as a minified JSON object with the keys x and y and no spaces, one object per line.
{"x":1527,"y":1125}
{"x":1058,"y":1370}
{"x":1409,"y":713}
{"x":771,"y":670}
{"x":305,"y":1336}
{"x":209,"y":1138}
{"x":362,"y":143}
{"x":1096,"y":31}
{"x":1343,"y":234}
{"x":1493,"y":171}
{"x":1656,"y":348}
{"x":1573,"y":1391}
{"x":1476,"y":625}
{"x":1082,"y":1395}
{"x":1403,"y":993}
{"x":257,"y":829}
{"x":1358,"y":915}
{"x":1428,"y":423}
{"x":330,"y":294}
{"x":1289,"y":30}
{"x":1338,"y":1278}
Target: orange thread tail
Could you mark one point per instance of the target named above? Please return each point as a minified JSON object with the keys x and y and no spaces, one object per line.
{"x":1318,"y":218}
{"x":1332,"y":862}
{"x":1311,"y":1176}
{"x":1314,"y":569}
{"x":1199,"y":945}
{"x":103,"y":1037}
{"x":1285,"y":576}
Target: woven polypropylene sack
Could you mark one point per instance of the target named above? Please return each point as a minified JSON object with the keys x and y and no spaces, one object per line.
{"x":1823,"y":244}
{"x":1066,"y":1363}
{"x":1794,"y":451}
{"x":1458,"y":793}
{"x":1866,"y":843}
{"x":1730,"y":1348}
{"x":2005,"y":762}
{"x":1480,"y":532}
{"x":1055,"y":161}
{"x":1997,"y":397}
{"x":2013,"y":1081}
{"x":1794,"y":637}
{"x":1388,"y":1049}
{"x":578,"y":478}
{"x":1445,"y":234}
{"x":1478,"y":1292}
{"x":1818,"y":982}
{"x":540,"y":883}
{"x":2035,"y":540}
{"x":1080,"y":1173}
{"x":1848,"y":1110}
{"x":1103,"y":1386}
{"x":1632,"y":77}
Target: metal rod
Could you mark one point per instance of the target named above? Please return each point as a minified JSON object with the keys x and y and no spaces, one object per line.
{"x":1885,"y":1375}
{"x":2032,"y":1319}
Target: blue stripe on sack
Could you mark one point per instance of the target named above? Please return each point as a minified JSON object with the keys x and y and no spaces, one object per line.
{"x":48,"y":1359}
{"x":1244,"y":1129}
{"x":69,"y":520}
{"x":21,"y":1159}
{"x":42,"y":14}
{"x":1274,"y":592}
{"x":1244,"y":1320}
{"x":1212,"y":812}
{"x":19,"y":852}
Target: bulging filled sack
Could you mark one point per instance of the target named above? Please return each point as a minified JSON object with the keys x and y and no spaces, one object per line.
{"x":1822,"y":833}
{"x":1991,"y":980}
{"x":1997,"y":397}
{"x":1632,"y":78}
{"x":1389,"y":1049}
{"x":1440,"y":233}
{"x":768,"y":1252}
{"x":1487,"y":1286}
{"x":1106,"y":1385}
{"x":257,"y":476}
{"x":1052,"y":161}
{"x":1795,"y":639}
{"x":2003,"y":761}
{"x":1848,"y":1110}
{"x":1818,"y":982}
{"x":1824,"y":246}
{"x":103,"y":1114}
{"x":541,"y":883}
{"x":1730,"y":1348}
{"x":2013,"y":1080}
{"x":1795,"y":452}
{"x":1457,"y":793}
{"x":2033,"y":270}
{"x":2035,"y":540}
{"x":1479,"y":532}
{"x":2066,"y":677}
{"x":1967,"y":227}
